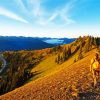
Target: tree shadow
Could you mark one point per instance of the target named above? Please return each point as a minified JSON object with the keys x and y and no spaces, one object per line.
{"x":98,"y":83}
{"x":88,"y":95}
{"x":94,"y":94}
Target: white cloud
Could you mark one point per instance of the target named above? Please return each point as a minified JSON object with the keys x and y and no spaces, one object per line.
{"x":53,"y":16}
{"x":52,"y":19}
{"x":63,"y":13}
{"x":44,"y":17}
{"x":67,"y":20}
{"x":44,"y":22}
{"x":20,"y":3}
{"x":36,"y":9}
{"x":11,"y":15}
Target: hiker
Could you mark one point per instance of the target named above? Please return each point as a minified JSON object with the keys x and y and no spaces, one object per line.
{"x":95,"y":67}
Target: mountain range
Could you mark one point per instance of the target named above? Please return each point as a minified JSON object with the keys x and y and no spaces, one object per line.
{"x":10,"y":43}
{"x":58,"y":73}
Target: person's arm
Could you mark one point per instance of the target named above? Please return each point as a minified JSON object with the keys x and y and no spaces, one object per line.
{"x":92,"y":61}
{"x":90,"y":68}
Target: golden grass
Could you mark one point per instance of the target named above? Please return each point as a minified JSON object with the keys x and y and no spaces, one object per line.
{"x":48,"y":66}
{"x":69,"y":81}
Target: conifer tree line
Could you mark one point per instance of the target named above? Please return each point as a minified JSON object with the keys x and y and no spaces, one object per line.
{"x":18,"y":70}
{"x":86,"y":44}
{"x":92,"y":41}
{"x":66,"y":53}
{"x":80,"y":56}
{"x":19,"y":64}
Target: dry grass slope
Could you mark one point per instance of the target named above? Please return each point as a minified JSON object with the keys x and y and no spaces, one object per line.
{"x":72,"y":80}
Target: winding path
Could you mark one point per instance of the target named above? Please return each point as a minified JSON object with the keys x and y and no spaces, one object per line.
{"x":3,"y":64}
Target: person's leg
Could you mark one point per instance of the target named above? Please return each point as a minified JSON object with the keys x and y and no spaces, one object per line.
{"x":90,"y":68}
{"x":94,"y":77}
{"x":92,"y":71}
{"x":97,"y":74}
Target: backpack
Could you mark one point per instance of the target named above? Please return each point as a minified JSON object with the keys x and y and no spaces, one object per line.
{"x":96,"y":65}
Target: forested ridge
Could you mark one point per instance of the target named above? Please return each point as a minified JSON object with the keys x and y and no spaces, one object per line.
{"x":20,"y":63}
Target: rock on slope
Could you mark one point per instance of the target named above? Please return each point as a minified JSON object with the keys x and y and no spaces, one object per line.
{"x":73,"y":82}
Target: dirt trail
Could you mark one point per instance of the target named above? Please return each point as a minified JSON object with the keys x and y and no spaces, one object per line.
{"x":71,"y":82}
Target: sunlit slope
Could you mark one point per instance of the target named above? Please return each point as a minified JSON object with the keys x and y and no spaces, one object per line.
{"x":57,"y":86}
{"x":56,"y":79}
{"x":49,"y":66}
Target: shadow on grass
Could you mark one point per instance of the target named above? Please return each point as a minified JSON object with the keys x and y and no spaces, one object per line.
{"x":88,"y":96}
{"x":35,"y":75}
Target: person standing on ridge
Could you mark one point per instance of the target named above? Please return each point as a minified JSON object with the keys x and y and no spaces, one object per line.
{"x":95,"y":67}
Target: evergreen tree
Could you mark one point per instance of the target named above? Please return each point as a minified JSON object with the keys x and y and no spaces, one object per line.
{"x":88,"y":45}
{"x":69,"y":51}
{"x":75,"y":60}
{"x":58,"y":58}
{"x":80,"y":56}
{"x":98,"y":42}
{"x":61,"y":59}
{"x":95,"y":41}
{"x":65,"y":55}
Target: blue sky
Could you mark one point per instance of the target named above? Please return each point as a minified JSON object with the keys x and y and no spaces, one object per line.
{"x":49,"y":18}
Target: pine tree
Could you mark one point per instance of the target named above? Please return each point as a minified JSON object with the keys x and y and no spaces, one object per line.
{"x":98,"y":42}
{"x":95,"y":42}
{"x":65,"y":55}
{"x":75,"y":60}
{"x":88,"y":45}
{"x":69,"y":51}
{"x":61,"y":59}
{"x":58,"y":58}
{"x":80,"y":56}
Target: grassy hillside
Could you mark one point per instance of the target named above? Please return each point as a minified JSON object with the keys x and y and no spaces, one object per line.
{"x":49,"y":66}
{"x":53,"y":80}
{"x":18,"y":69}
{"x":70,"y":81}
